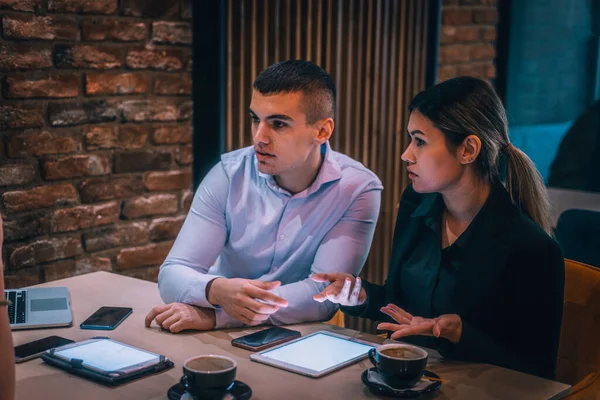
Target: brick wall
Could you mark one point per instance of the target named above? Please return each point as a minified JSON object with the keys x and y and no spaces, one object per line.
{"x":467,"y":39}
{"x":95,"y":135}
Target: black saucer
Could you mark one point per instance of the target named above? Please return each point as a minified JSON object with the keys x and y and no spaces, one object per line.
{"x":239,"y":390}
{"x":417,"y":390}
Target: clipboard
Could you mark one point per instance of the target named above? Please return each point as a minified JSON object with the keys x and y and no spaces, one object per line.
{"x":106,"y":361}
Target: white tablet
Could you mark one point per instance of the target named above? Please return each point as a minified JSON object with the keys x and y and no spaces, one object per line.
{"x":315,"y":355}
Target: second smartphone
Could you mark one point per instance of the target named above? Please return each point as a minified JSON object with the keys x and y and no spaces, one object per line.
{"x":34,"y":349}
{"x":266,"y":338}
{"x":106,"y":318}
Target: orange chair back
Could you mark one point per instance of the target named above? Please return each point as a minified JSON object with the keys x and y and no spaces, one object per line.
{"x":337,"y":320}
{"x":579,"y":348}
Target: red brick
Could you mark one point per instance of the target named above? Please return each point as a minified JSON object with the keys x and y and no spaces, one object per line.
{"x":22,"y":5}
{"x":68,"y":268}
{"x":186,"y":110}
{"x":186,"y":9}
{"x":173,"y":84}
{"x":24,"y":56}
{"x":40,"y":197}
{"x":455,"y":54}
{"x":152,"y":254}
{"x":476,"y":70}
{"x":160,"y":59}
{"x":145,"y":273}
{"x":446,"y":72}
{"x":483,"y":52}
{"x":456,"y":16}
{"x":457,"y":34}
{"x":40,"y":143}
{"x":77,"y":113}
{"x":166,"y":228}
{"x":184,"y":155}
{"x":21,"y":115}
{"x":172,"y":32}
{"x":485,"y":16}
{"x":132,"y":136}
{"x":488,"y":33}
{"x":99,"y":189}
{"x":137,"y":161}
{"x":44,"y":250}
{"x":84,"y":56}
{"x":115,"y":84}
{"x":134,"y":233}
{"x":187,"y":197}
{"x":158,"y":204}
{"x":107,"y":29}
{"x":151,"y":110}
{"x":34,"y":27}
{"x":76,"y":166}
{"x":16,"y":174}
{"x":172,"y":134}
{"x":83,"y":6}
{"x":83,"y":217}
{"x":48,"y":85}
{"x":123,"y":137}
{"x":26,"y":226}
{"x":169,"y":180}
{"x":490,"y":71}
{"x":24,"y":277}
{"x":150,"y":8}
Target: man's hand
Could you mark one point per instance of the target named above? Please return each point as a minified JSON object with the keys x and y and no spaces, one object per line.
{"x":177,"y":317}
{"x":448,"y":326}
{"x":248,"y":301}
{"x":344,"y":289}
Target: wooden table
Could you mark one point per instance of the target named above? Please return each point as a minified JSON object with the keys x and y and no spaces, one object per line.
{"x":36,"y":380}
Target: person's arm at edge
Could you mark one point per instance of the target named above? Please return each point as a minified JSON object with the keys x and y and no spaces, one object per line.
{"x":7,"y":358}
{"x":184,"y":274}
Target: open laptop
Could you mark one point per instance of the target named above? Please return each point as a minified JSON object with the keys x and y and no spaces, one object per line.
{"x":39,"y":307}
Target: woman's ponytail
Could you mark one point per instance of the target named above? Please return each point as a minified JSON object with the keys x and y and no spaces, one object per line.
{"x":526,"y":187}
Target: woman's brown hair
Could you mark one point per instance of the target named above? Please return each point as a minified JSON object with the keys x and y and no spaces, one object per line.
{"x":466,"y":106}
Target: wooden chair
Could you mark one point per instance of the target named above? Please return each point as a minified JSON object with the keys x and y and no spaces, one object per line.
{"x":337,"y":320}
{"x":578,"y":361}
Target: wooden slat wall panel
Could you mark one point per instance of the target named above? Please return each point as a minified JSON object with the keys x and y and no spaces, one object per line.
{"x":374,"y":51}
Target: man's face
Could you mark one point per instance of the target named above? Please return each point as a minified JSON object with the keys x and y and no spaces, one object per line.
{"x":282,"y":139}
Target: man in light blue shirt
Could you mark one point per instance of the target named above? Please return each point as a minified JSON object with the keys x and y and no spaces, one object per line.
{"x":268,"y":216}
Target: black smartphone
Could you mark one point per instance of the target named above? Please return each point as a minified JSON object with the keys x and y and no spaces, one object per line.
{"x":106,"y":318}
{"x":266,"y":338}
{"x":31,"y":350}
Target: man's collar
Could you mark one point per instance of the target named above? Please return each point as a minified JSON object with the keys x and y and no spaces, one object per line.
{"x":328,"y":172}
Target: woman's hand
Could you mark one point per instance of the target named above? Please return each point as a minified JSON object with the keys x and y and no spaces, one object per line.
{"x":344,"y":289}
{"x":448,"y":326}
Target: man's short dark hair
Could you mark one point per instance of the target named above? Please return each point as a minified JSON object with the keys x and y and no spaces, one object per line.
{"x":301,"y":76}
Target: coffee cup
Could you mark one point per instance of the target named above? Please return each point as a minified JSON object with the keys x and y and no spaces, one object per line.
{"x":400,"y":365}
{"x":208,"y":373}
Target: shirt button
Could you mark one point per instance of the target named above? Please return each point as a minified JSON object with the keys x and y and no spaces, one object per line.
{"x":281,"y":237}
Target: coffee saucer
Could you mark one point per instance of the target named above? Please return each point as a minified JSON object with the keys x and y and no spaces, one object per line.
{"x":373,"y":381}
{"x":238,"y":390}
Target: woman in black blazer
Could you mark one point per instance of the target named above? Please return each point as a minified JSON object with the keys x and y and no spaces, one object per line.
{"x":473,"y":272}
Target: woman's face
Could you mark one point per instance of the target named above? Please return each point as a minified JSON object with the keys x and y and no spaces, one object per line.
{"x":432,"y":167}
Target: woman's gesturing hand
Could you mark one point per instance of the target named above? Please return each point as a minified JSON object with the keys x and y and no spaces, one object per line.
{"x":447,"y":326}
{"x":344,"y":289}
